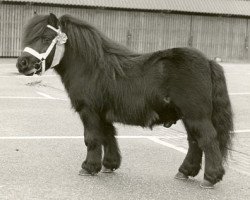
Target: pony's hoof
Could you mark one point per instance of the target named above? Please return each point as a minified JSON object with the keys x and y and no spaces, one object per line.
{"x":207,"y":185}
{"x":84,"y":172}
{"x":181,"y":176}
{"x":106,"y":170}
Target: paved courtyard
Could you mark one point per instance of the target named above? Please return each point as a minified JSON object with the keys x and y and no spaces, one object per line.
{"x":41,"y":141}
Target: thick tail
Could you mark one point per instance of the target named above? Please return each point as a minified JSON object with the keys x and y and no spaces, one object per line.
{"x":222,"y":116}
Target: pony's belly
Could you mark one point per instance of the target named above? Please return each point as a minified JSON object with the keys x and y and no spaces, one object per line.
{"x":144,"y":119}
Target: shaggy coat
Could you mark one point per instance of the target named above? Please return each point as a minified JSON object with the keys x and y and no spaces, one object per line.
{"x":108,"y":83}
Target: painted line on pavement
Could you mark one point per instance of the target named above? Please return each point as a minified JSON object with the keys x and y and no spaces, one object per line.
{"x":22,"y":76}
{"x":45,"y":95}
{"x":239,"y":93}
{"x":18,"y":97}
{"x":82,"y":137}
{"x":237,"y":73}
{"x":242,"y":131}
{"x":43,"y":98}
{"x":39,"y":137}
{"x":158,"y":141}
{"x":183,"y":150}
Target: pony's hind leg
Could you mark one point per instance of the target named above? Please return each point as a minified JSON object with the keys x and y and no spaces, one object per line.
{"x":93,"y":138}
{"x":208,"y":142}
{"x":112,"y":158}
{"x":192,"y":162}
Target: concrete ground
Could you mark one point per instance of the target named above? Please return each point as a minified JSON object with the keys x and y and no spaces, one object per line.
{"x":42,"y":147}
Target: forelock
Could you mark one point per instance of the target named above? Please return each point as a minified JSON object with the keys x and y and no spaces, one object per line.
{"x":34,"y":29}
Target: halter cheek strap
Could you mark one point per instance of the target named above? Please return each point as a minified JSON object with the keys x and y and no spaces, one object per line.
{"x":41,"y":56}
{"x":59,"y":41}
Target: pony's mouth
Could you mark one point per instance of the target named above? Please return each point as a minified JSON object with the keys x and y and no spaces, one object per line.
{"x":30,"y":72}
{"x":36,"y":68}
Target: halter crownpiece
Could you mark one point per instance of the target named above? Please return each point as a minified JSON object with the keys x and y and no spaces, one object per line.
{"x":59,"y":41}
{"x":61,"y":37}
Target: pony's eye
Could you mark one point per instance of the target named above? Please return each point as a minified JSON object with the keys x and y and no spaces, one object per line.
{"x":46,"y":40}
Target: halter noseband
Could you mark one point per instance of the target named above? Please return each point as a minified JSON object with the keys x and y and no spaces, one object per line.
{"x":59,"y":41}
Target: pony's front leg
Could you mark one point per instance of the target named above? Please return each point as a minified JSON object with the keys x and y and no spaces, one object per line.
{"x":93,"y":138}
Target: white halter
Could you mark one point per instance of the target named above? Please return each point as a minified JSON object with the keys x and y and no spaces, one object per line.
{"x":59,"y":41}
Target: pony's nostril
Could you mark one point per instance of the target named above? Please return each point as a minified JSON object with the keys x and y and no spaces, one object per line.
{"x":24,"y":62}
{"x":37,"y":66}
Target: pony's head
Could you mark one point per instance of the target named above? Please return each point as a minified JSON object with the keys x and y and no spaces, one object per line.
{"x":43,"y":44}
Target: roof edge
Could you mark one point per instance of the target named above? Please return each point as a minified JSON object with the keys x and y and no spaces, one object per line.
{"x":175,"y":11}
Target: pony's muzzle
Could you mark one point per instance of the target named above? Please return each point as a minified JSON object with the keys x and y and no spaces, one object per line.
{"x":23,"y":65}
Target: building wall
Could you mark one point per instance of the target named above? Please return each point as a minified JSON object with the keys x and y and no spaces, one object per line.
{"x":224,"y":37}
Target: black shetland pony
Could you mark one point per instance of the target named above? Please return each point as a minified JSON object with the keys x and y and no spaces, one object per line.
{"x":108,"y":83}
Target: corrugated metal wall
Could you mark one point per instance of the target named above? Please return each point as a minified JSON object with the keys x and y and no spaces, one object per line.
{"x":141,"y":31}
{"x":223,"y":38}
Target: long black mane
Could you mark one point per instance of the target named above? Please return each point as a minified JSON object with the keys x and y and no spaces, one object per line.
{"x":34,"y":29}
{"x":92,"y":46}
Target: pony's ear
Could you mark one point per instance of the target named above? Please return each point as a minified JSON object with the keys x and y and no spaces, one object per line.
{"x":53,"y":21}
